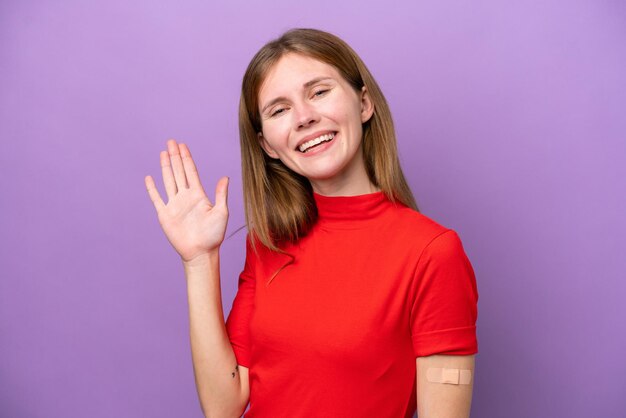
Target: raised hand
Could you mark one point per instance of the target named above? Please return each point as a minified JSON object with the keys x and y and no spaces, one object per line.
{"x":193,"y":225}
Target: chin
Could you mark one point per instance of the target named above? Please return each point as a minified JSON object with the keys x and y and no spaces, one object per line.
{"x":322,"y":175}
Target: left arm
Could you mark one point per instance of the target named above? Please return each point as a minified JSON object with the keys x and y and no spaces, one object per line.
{"x":444,"y":400}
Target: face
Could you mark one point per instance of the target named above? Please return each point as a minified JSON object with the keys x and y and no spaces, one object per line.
{"x":312,"y":121}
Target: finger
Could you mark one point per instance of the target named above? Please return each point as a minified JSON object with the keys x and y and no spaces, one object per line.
{"x":191,"y":172}
{"x":177,"y":164}
{"x":221,"y":192}
{"x":154,"y":193}
{"x":168,"y":175}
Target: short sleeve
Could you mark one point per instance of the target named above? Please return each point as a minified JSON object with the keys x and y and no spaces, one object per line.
{"x":444,"y":300}
{"x":238,"y":322}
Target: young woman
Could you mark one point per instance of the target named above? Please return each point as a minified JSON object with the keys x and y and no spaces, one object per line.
{"x":351,"y":303}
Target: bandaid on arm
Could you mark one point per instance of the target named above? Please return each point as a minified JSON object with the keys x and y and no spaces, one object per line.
{"x":449,"y":376}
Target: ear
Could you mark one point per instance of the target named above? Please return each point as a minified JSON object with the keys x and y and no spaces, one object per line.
{"x":367,"y":106}
{"x":266,"y":146}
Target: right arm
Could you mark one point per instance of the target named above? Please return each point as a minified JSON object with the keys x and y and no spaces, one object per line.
{"x":222,"y":385}
{"x":195,"y":228}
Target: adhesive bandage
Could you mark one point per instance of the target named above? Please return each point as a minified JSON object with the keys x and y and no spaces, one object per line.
{"x":449,"y":376}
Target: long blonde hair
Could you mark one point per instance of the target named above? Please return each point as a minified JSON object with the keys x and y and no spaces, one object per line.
{"x":279,"y":203}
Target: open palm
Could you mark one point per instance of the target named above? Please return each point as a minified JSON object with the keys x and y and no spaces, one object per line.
{"x":193,"y":225}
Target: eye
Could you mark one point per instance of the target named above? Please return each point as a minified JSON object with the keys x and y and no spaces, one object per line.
{"x":277,"y":111}
{"x":320,"y":92}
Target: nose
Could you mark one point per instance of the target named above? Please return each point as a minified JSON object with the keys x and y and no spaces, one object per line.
{"x":306,"y":115}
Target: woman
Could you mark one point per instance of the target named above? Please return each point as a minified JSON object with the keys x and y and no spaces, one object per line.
{"x":351,"y":303}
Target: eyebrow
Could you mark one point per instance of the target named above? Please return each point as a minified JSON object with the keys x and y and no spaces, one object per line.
{"x":305,"y":85}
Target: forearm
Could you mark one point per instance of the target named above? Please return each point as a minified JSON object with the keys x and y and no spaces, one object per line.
{"x":218,"y":382}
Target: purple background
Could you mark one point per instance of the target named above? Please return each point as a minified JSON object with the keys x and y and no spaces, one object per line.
{"x":512,"y":130}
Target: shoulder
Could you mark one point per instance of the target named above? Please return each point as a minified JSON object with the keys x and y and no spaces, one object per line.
{"x":263,"y":262}
{"x":425,"y":238}
{"x":420,"y":230}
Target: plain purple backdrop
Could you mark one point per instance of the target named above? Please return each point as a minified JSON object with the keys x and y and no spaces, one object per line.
{"x":511,"y":123}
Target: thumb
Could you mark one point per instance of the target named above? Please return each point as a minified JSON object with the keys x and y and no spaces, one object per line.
{"x":221,"y":192}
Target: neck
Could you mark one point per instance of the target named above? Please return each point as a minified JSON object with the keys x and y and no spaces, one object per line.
{"x":333,"y":187}
{"x":350,"y":210}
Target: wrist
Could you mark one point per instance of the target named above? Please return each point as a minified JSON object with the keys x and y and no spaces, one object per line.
{"x":202,"y":260}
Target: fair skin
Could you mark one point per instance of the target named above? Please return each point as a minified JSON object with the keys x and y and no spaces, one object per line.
{"x":303,"y":97}
{"x":195,"y":226}
{"x":438,"y":400}
{"x":300,"y":100}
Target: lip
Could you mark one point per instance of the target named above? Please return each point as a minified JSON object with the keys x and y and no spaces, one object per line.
{"x":313,"y":136}
{"x":321,"y":148}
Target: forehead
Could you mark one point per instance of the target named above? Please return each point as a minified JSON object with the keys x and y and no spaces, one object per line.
{"x":291,"y":72}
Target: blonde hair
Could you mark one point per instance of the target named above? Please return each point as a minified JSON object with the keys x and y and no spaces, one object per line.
{"x":279,"y":203}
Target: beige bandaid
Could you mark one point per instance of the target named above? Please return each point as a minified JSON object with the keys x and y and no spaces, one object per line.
{"x":449,"y":376}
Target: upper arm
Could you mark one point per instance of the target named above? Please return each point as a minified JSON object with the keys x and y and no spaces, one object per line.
{"x":443,"y":400}
{"x":444,"y":300}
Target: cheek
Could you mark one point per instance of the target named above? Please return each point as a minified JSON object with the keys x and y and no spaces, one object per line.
{"x":346,"y":111}
{"x":338,"y":113}
{"x":276,"y":134}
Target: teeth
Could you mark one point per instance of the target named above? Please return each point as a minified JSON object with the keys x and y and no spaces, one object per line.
{"x":316,"y":141}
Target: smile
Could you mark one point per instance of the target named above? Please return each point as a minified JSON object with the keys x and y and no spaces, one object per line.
{"x":314,"y":142}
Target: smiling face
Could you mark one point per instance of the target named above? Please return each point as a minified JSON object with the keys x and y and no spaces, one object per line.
{"x":312,"y":121}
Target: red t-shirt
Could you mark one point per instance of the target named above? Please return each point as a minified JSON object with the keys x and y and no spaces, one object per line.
{"x":336,"y":332}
